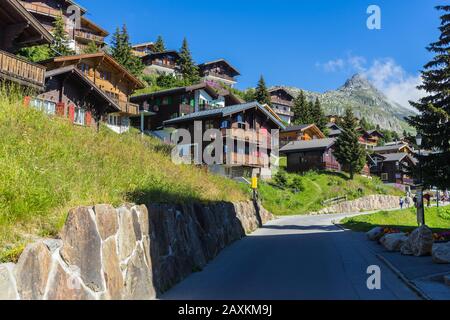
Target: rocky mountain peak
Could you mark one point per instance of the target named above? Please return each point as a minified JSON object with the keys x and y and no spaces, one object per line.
{"x":358,"y":82}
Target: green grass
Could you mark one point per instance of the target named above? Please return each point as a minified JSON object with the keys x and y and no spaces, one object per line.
{"x":405,"y":220}
{"x":48,"y":165}
{"x":318,"y":187}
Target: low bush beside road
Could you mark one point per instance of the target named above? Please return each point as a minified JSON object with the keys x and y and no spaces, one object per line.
{"x":437,"y":219}
{"x":291,"y":194}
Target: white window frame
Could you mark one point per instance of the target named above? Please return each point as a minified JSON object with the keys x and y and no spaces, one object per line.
{"x":79,"y":116}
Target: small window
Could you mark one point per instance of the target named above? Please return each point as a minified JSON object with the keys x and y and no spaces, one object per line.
{"x":80,"y":115}
{"x":384,"y":177}
{"x":225,"y":124}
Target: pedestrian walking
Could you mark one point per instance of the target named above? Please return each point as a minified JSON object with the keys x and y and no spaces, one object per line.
{"x":408,"y":202}
{"x":401,"y":203}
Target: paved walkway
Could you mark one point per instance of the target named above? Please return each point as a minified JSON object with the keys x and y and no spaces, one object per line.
{"x":300,"y":257}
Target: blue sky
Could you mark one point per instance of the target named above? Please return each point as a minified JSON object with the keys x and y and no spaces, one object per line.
{"x":312,"y":44}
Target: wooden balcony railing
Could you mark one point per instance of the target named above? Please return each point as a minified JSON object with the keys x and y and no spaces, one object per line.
{"x":89,"y":36}
{"x":128,"y":107}
{"x":40,"y":9}
{"x":219,"y":75}
{"x":20,"y":70}
{"x":283,"y":102}
{"x":248,"y":160}
{"x":249,"y":135}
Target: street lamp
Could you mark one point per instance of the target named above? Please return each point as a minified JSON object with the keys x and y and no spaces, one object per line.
{"x":420,"y":204}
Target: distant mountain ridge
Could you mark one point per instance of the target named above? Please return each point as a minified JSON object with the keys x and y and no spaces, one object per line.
{"x":365,"y":100}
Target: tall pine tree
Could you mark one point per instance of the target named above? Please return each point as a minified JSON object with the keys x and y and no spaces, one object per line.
{"x":188,"y":69}
{"x":262,"y":95}
{"x":91,"y":48}
{"x":304,"y":111}
{"x":60,"y":44}
{"x":348,"y":151}
{"x":318,"y":115}
{"x":159,"y":45}
{"x":121,"y":50}
{"x":433,"y":121}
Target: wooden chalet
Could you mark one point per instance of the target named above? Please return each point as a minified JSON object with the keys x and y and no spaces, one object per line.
{"x":334,"y":130}
{"x":249,"y":126}
{"x":143,"y":49}
{"x":160,"y":106}
{"x":71,"y":94}
{"x":282,"y":103}
{"x":394,"y":168}
{"x":110,"y":77}
{"x":46,"y":11}
{"x":306,"y":155}
{"x":161,"y":63}
{"x":219,"y":72}
{"x":19,"y":29}
{"x":370,"y":138}
{"x":395,"y":147}
{"x":300,"y":133}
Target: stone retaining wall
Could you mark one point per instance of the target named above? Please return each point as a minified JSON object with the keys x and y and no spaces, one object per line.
{"x":369,"y":203}
{"x":127,"y":253}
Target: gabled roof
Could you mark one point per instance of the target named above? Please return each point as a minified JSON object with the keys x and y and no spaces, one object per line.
{"x":395,"y":157}
{"x":36,"y":33}
{"x":210,"y":90}
{"x":275,"y":89}
{"x":138,"y":83}
{"x":223,"y":112}
{"x":74,"y":70}
{"x":95,"y":26}
{"x":221,"y":61}
{"x":310,"y":145}
{"x":392,"y":147}
{"x":375,"y":132}
{"x":301,"y":127}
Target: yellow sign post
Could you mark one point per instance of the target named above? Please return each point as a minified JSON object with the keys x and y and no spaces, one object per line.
{"x":254,"y":183}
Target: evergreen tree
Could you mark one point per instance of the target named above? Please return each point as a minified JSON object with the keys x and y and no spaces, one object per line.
{"x":262,"y":95}
{"x":318,"y":115}
{"x":302,"y":110}
{"x":433,"y":121}
{"x":188,"y":69}
{"x":348,"y":151}
{"x":91,"y":48}
{"x":121,"y":51}
{"x":60,"y":45}
{"x":36,"y":53}
{"x":159,"y":45}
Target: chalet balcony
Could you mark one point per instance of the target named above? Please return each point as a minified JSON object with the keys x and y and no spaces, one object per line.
{"x":41,"y":9}
{"x":219,"y":75}
{"x":87,"y":36}
{"x":249,"y":135}
{"x":248,"y":160}
{"x":127,"y":107}
{"x":164,"y":65}
{"x":21,"y":71}
{"x":277,"y":100}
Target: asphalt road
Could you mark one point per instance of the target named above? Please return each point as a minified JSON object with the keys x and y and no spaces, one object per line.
{"x":293,"y":258}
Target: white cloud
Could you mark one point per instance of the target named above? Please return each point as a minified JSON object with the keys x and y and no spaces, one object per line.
{"x":389,"y":77}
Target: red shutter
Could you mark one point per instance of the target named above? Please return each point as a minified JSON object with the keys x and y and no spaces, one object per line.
{"x":60,"y":109}
{"x":72,"y":113}
{"x":26,"y":101}
{"x":88,"y":118}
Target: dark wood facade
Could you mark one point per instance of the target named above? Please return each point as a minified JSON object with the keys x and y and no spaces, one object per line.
{"x":219,"y":72}
{"x":161,"y":63}
{"x":303,"y":156}
{"x":249,"y":126}
{"x":300,"y":133}
{"x":173,"y":103}
{"x":70,"y":94}
{"x":46,"y":11}
{"x":19,"y":29}
{"x":394,"y":168}
{"x":282,"y":103}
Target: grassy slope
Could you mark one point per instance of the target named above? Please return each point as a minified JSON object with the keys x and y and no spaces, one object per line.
{"x":48,"y":166}
{"x":317,"y":188}
{"x":436,"y":218}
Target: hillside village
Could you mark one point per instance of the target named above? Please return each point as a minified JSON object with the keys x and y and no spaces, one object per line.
{"x":88,"y":85}
{"x":88,"y":121}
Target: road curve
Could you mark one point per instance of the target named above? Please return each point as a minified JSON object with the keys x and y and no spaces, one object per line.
{"x":293,"y":258}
